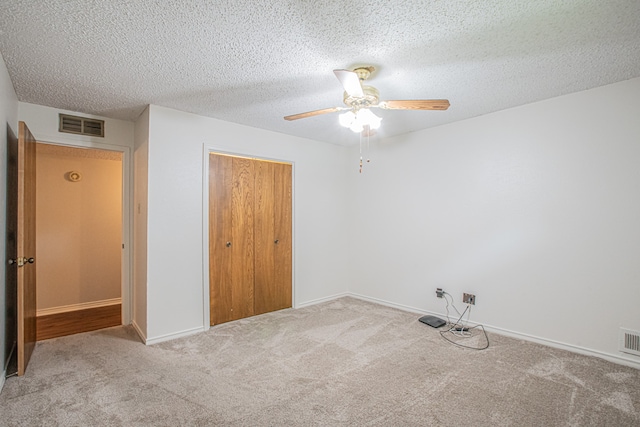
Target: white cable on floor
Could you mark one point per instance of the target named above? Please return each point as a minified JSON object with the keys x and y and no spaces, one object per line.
{"x":461,"y":330}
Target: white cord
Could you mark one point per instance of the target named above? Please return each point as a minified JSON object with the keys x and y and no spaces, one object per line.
{"x":461,"y":330}
{"x":452,"y":305}
{"x":458,"y":329}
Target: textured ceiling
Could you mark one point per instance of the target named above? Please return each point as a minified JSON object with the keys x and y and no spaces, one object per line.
{"x":253,"y":62}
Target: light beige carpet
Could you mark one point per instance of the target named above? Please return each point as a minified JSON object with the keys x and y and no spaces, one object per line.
{"x":345,"y":362}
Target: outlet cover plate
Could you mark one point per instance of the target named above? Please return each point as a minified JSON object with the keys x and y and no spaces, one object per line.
{"x":469,"y":298}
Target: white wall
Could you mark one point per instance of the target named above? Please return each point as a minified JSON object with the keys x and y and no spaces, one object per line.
{"x":8,"y":118}
{"x":535,"y":210}
{"x":175,"y":214}
{"x":140,"y":197}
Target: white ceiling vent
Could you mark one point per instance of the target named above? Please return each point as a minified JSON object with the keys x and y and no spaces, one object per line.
{"x":81,"y":125}
{"x":630,"y":341}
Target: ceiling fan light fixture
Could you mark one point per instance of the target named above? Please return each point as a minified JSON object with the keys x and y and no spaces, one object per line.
{"x":356,"y":121}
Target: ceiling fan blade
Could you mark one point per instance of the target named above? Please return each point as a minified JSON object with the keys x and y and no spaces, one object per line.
{"x":312,"y":113}
{"x":416,"y":104}
{"x":350,"y":82}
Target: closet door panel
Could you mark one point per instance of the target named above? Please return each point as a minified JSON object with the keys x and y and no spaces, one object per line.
{"x":283,"y":225}
{"x":265,"y":286}
{"x":250,"y":216}
{"x":220,"y":222}
{"x":242,"y":238}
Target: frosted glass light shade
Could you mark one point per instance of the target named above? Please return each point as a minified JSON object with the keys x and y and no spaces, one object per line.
{"x":346,"y":119}
{"x":366,"y":117}
{"x":358,"y":120}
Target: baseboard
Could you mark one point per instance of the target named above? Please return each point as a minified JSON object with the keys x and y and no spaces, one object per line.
{"x":173,"y":336}
{"x":141,"y":334}
{"x":614,"y":358}
{"x":168,"y":337}
{"x":321,"y":300}
{"x":2,"y":379}
{"x":391,"y":304}
{"x":76,"y":307}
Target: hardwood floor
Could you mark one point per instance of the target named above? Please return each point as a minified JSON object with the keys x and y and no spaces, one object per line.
{"x":74,"y":322}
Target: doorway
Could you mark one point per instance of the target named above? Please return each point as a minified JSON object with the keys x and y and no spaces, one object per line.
{"x":78,"y":239}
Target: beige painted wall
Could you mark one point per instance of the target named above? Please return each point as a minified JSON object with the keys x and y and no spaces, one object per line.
{"x":79,"y":226}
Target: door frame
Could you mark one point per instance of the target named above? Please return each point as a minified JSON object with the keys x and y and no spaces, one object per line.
{"x":212,"y":148}
{"x":127,"y":217}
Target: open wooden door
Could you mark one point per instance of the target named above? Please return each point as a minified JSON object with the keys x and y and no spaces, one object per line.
{"x":21,"y":237}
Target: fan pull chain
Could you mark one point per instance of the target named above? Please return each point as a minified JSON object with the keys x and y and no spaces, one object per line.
{"x":367,"y":145}
{"x":360,"y":152}
{"x":368,"y":149}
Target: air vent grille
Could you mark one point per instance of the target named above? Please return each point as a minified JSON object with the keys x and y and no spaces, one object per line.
{"x":630,"y":341}
{"x":81,"y":125}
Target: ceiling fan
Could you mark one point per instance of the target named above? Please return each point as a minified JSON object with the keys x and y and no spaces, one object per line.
{"x":359,"y":98}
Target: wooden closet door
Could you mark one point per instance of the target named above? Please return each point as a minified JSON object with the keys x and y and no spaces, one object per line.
{"x":283,"y":227}
{"x":264,"y":227}
{"x":273,"y":236}
{"x":231,"y":268}
{"x":242,"y":238}
{"x":220,"y":190}
{"x":249,"y":237}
